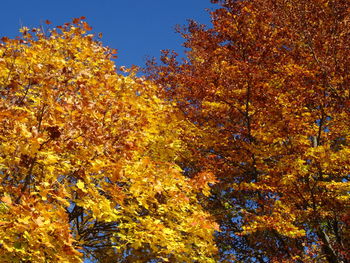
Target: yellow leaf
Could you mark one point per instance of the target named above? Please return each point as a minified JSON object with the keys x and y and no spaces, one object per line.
{"x":80,"y":184}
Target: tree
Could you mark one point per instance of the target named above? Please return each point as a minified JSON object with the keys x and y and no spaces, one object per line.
{"x":268,"y":85}
{"x":88,"y":159}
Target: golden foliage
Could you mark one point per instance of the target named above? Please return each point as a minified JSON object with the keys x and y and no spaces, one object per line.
{"x":88,"y":158}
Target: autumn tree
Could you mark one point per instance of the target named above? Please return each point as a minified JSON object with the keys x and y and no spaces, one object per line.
{"x":88,"y":159}
{"x":268,"y":85}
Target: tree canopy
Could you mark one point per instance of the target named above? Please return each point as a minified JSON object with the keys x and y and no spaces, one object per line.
{"x":268,"y":85}
{"x":237,"y":153}
{"x":88,"y":159}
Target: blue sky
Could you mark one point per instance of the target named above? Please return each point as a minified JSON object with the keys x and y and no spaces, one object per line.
{"x":136,"y":28}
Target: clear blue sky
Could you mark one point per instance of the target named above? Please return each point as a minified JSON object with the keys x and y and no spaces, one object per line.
{"x":136,"y":28}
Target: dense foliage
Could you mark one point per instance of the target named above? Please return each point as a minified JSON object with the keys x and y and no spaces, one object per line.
{"x":88,"y":159}
{"x":268,"y":86}
{"x":238,"y":153}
